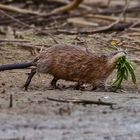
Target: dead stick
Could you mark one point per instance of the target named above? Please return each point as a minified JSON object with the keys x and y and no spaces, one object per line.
{"x":73,"y":5}
{"x":99,"y":102}
{"x":112,"y":27}
{"x":11,"y":101}
{"x":14,"y":40}
{"x":15,"y":9}
{"x":106,"y":17}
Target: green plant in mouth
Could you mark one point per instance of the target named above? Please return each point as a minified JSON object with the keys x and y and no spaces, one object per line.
{"x":124,"y":69}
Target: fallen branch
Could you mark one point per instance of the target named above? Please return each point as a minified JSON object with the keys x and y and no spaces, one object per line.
{"x":13,"y":40}
{"x":81,"y":21}
{"x":109,"y":18}
{"x":15,"y":9}
{"x":81,"y":101}
{"x":11,"y":101}
{"x":82,"y":6}
{"x":112,"y":27}
{"x":73,"y":5}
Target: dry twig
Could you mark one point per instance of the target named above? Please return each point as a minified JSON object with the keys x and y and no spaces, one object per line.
{"x":78,"y":101}
{"x":15,"y":9}
{"x":13,"y":40}
{"x":11,"y":101}
{"x":73,"y":5}
{"x":109,"y":18}
{"x":112,"y":27}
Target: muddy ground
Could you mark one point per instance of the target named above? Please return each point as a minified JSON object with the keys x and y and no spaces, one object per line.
{"x":34,"y":117}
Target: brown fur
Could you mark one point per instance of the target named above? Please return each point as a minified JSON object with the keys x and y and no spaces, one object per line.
{"x":73,"y":63}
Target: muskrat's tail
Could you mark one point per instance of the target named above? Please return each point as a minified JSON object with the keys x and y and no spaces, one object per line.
{"x":15,"y":66}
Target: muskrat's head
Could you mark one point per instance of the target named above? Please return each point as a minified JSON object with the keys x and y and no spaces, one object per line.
{"x":114,"y":58}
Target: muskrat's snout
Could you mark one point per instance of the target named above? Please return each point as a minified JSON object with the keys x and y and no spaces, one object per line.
{"x":115,"y":56}
{"x":120,"y":54}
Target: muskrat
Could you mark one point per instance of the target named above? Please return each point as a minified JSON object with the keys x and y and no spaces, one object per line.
{"x":71,"y":63}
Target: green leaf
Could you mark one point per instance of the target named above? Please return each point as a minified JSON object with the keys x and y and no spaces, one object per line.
{"x":131,"y":71}
{"x":124,"y":69}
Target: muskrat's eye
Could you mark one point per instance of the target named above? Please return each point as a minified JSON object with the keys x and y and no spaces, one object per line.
{"x":114,"y":53}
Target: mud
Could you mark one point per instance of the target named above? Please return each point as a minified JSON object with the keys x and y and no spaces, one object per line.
{"x":34,"y":117}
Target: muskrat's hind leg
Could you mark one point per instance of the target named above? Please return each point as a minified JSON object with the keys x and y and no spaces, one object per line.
{"x":53,"y":83}
{"x":31,"y":74}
